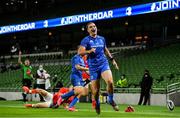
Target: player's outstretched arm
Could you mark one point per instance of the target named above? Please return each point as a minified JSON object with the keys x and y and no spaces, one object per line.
{"x":111,"y":58}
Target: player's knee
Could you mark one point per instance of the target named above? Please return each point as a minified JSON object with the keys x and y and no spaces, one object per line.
{"x":79,"y":95}
{"x":110,"y":87}
{"x":110,"y":81}
{"x":95,"y":91}
{"x":77,"y":90}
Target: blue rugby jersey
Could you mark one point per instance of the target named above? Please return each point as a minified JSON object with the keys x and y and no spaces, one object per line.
{"x":98,"y":58}
{"x":77,"y":59}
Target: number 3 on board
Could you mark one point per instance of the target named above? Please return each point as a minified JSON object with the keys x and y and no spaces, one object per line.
{"x":46,"y":23}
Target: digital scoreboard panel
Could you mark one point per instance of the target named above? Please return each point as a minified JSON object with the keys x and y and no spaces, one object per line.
{"x":101,"y":15}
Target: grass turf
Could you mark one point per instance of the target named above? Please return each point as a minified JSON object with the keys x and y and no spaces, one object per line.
{"x":16,"y":109}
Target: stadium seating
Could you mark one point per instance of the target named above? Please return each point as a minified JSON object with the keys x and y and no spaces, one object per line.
{"x":163,"y":64}
{"x":162,"y":61}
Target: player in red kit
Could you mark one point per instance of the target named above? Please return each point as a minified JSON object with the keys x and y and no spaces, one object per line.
{"x":49,"y":98}
{"x":86,"y":77}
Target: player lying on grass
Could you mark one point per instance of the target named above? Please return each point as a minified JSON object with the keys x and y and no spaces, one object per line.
{"x":49,"y":98}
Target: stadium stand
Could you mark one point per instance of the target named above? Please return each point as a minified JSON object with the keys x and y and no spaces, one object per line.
{"x":162,"y":62}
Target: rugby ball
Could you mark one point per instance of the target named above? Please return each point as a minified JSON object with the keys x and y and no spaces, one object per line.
{"x":170,"y":105}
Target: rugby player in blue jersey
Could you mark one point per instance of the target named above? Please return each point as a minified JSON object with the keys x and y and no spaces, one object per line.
{"x":95,"y":46}
{"x":79,"y":88}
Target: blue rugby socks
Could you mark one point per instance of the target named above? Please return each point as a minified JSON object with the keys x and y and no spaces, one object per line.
{"x":74,"y":101}
{"x":69,"y":94}
{"x":110,"y":95}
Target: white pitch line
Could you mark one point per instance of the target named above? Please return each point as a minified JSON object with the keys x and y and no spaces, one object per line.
{"x":108,"y":111}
